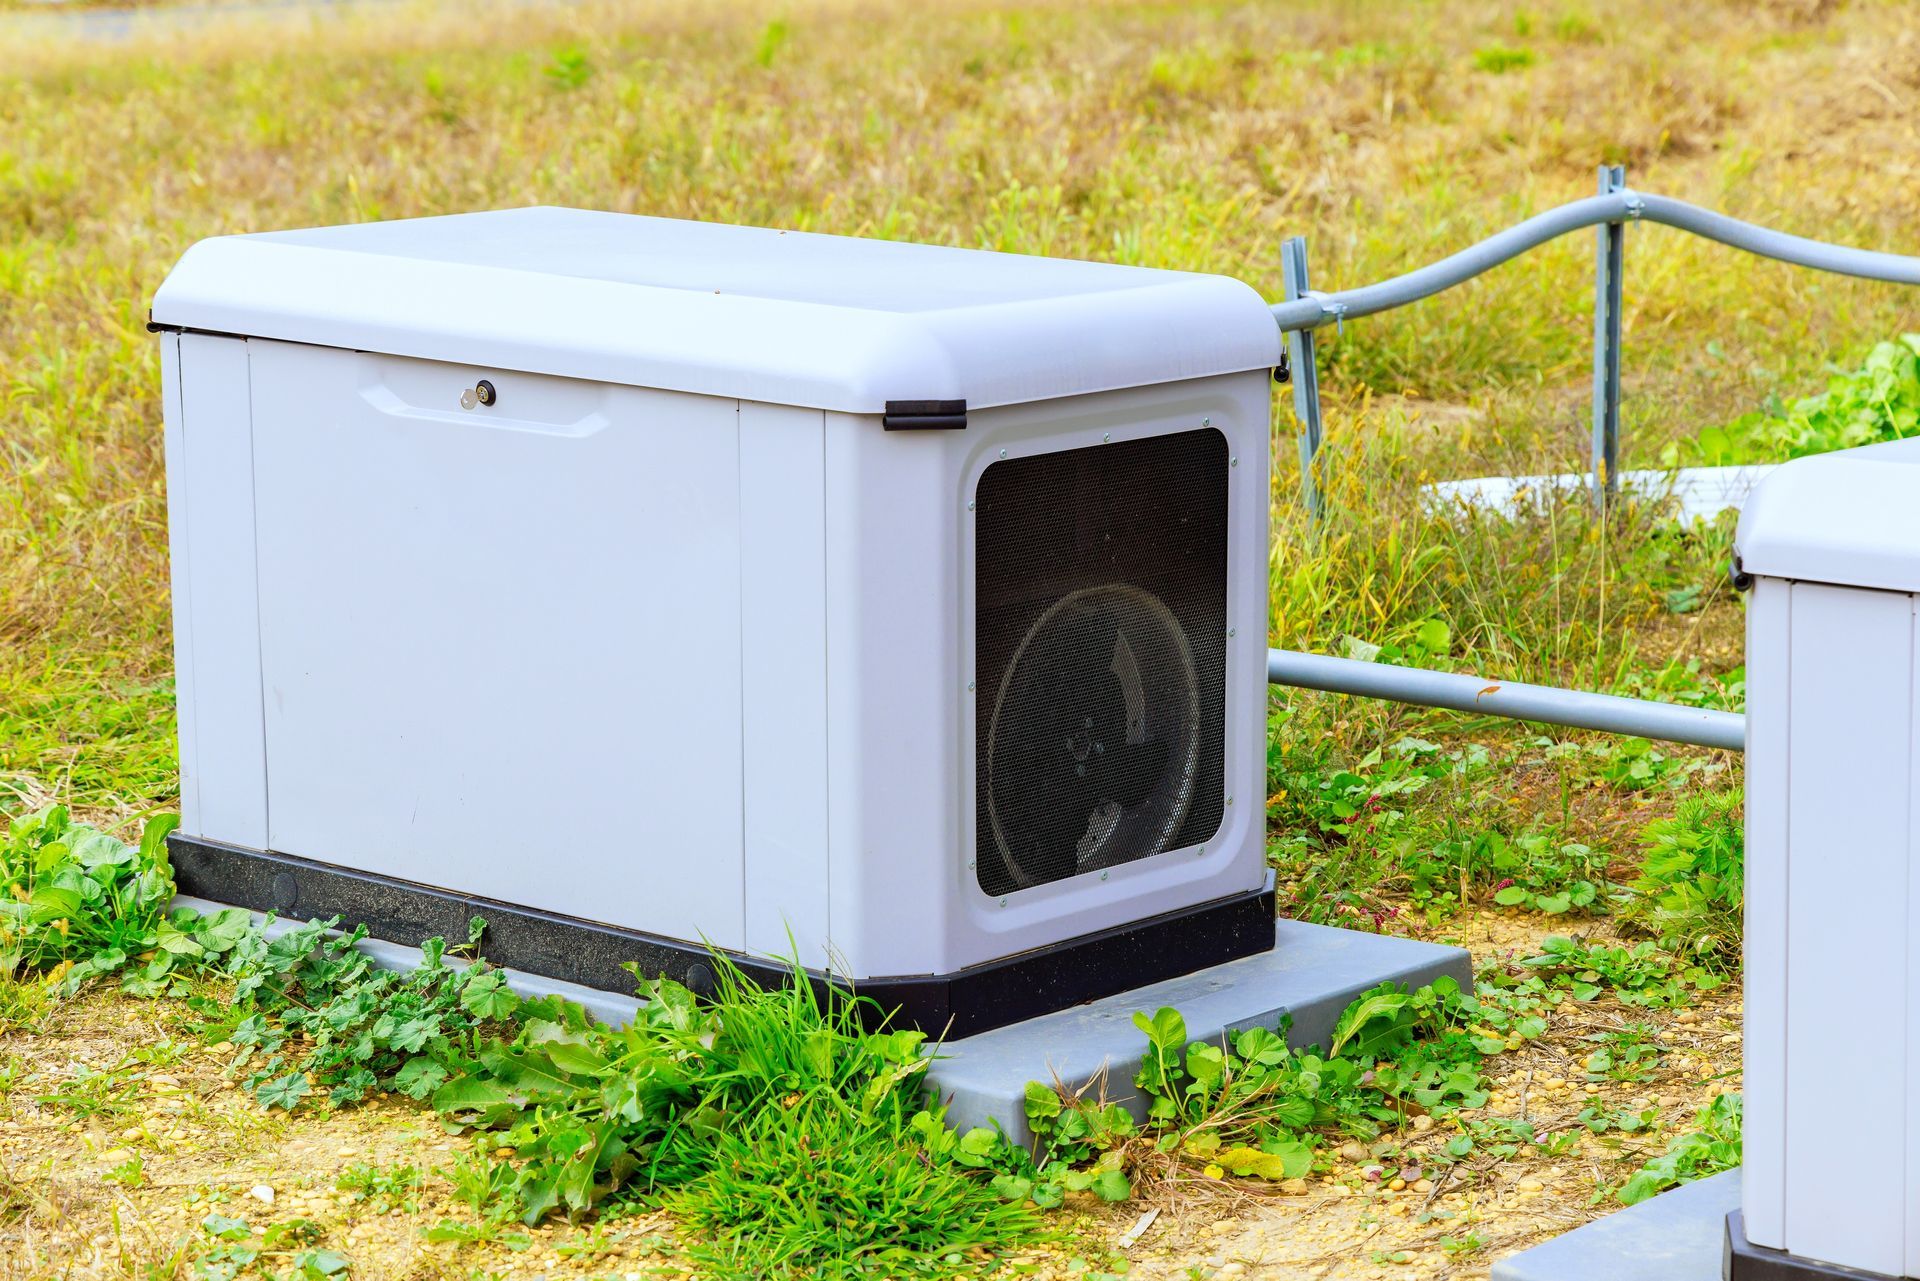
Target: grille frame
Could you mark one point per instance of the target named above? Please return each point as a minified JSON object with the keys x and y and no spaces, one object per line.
{"x":1222,"y":756}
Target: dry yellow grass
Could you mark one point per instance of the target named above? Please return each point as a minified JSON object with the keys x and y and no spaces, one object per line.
{"x":1191,"y":137}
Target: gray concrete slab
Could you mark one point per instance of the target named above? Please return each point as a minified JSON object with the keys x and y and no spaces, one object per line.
{"x":1312,"y":973}
{"x":1677,"y":1236}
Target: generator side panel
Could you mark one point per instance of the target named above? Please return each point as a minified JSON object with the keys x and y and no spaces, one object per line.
{"x":1910,"y":1088}
{"x":783,"y":680}
{"x":1849,"y":833}
{"x":892,"y":696}
{"x":902,"y":692}
{"x":216,"y":609}
{"x":502,"y":641}
{"x":180,"y":579}
{"x":1769,"y":711}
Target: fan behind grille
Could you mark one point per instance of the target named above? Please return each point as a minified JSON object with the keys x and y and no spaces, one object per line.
{"x":1100,"y":595}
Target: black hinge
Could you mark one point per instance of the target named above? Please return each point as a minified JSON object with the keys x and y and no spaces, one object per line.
{"x":925,"y":415}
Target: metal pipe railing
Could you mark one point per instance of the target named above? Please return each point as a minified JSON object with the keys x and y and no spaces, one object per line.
{"x":1668,"y":722}
{"x":1625,"y":205}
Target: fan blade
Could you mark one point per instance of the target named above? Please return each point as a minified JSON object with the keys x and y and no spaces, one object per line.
{"x":1128,"y":772}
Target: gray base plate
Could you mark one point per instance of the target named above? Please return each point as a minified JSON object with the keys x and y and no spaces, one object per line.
{"x":1677,"y":1236}
{"x":1312,"y":973}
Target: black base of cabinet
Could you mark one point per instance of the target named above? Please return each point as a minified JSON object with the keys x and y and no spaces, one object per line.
{"x":576,"y":951}
{"x":1745,"y":1261}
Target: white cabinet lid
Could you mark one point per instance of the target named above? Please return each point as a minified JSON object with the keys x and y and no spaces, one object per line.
{"x":794,"y":318}
{"x":1851,"y":517}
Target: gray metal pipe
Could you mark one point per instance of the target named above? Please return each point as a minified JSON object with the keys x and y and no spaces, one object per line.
{"x":1668,"y":722}
{"x":1620,"y":206}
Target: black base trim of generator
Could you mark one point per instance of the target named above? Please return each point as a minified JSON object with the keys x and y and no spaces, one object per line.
{"x":576,"y":951}
{"x":1745,"y":1261}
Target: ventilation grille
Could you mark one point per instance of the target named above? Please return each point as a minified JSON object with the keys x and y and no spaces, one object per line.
{"x":1100,"y":588}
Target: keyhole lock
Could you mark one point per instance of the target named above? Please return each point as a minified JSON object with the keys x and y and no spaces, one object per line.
{"x":481,"y":393}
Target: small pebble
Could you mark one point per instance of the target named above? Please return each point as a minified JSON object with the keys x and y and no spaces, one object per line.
{"x":261,"y":1193}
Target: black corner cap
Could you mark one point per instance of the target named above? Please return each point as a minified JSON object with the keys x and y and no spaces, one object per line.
{"x":925,"y":415}
{"x":1741,"y":1260}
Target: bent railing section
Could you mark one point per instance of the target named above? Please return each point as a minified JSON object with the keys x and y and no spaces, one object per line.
{"x":1305,"y":310}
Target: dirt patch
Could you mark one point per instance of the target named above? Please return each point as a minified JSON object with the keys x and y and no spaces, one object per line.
{"x":202,"y":1147}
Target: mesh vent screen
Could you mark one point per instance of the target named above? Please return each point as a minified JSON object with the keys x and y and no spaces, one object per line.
{"x":1100,"y":587}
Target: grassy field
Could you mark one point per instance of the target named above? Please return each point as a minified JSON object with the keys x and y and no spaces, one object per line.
{"x":1186,"y":136}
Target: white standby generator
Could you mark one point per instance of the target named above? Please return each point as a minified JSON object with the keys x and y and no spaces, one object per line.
{"x":1830,"y":546}
{"x":647,"y":586}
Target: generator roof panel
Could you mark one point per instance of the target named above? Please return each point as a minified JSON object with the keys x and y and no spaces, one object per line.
{"x":787,"y":317}
{"x":1851,"y":517}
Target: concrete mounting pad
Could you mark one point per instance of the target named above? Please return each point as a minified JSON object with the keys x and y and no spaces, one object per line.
{"x":1312,"y":973}
{"x":1697,"y":493}
{"x":1677,"y":1236}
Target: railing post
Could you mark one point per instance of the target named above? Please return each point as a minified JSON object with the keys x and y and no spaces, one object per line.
{"x":1306,"y":379}
{"x":1606,"y":344}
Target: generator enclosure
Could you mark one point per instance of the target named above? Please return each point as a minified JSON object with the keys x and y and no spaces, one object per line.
{"x":1830,"y":546}
{"x":645,"y":586}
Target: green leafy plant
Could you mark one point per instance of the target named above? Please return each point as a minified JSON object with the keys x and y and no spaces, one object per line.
{"x":230,"y":1248}
{"x":1691,"y":886}
{"x":80,"y":901}
{"x":490,"y":1190}
{"x":1252,"y":1106}
{"x":1543,"y":875}
{"x":729,"y":1107}
{"x":394,"y":1187}
{"x":130,"y":1173}
{"x":1879,"y":400}
{"x":1638,"y":975}
{"x":1630,"y":1053}
{"x":364,"y":1028}
{"x":1712,"y":1148}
